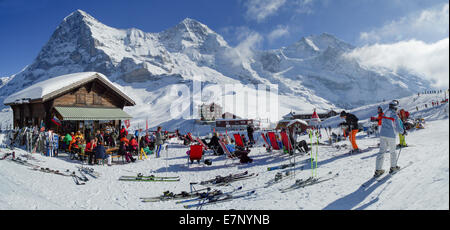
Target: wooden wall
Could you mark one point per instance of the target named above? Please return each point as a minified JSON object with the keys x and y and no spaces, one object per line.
{"x":90,"y":90}
{"x":34,"y":113}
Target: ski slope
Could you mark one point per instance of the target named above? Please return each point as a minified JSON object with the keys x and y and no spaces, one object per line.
{"x":424,"y":185}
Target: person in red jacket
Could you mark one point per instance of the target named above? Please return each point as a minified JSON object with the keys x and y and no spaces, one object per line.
{"x":123,"y":132}
{"x":134,"y":145}
{"x":90,"y":150}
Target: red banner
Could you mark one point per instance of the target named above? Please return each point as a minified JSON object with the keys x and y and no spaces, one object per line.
{"x":127,"y":123}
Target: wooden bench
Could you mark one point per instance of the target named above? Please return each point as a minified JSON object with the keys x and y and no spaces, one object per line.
{"x":113,"y":152}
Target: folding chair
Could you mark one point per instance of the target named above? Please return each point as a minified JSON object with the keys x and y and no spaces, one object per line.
{"x":238,"y":140}
{"x":269,"y":147}
{"x":201,"y":143}
{"x":195,"y":153}
{"x":229,"y":154}
{"x":286,"y":142}
{"x":273,"y":140}
{"x":190,"y":137}
{"x":205,"y":147}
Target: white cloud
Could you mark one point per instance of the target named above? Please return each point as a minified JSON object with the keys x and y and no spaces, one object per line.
{"x":431,"y":60}
{"x":278,"y":32}
{"x":259,"y":10}
{"x":248,"y":42}
{"x":428,"y":25}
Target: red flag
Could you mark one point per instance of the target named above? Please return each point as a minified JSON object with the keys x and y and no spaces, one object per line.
{"x":127,"y":123}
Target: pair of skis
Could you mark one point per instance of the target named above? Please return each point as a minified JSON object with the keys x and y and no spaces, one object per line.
{"x":77,"y":179}
{"x":89,"y":171}
{"x":151,"y":178}
{"x":301,"y":183}
{"x":226,"y":180}
{"x":278,"y":178}
{"x":209,"y":199}
{"x":384,"y":177}
{"x":283,"y":166}
{"x":6,"y":156}
{"x":23,"y":162}
{"x":167,"y":195}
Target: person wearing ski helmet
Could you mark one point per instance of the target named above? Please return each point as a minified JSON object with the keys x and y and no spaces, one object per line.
{"x":352,"y":122}
{"x":390,"y":125}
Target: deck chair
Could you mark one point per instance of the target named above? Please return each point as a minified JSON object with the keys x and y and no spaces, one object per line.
{"x":205,"y":147}
{"x":190,"y":137}
{"x":201,"y":143}
{"x":195,"y":153}
{"x":273,"y":140}
{"x":229,"y":154}
{"x":238,"y":140}
{"x":269,"y":147}
{"x":286,"y":142}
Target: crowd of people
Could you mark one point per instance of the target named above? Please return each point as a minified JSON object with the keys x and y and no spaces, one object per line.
{"x":103,"y":142}
{"x":125,"y":144}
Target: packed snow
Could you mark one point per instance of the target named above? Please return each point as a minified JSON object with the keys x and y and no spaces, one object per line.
{"x":422,"y":185}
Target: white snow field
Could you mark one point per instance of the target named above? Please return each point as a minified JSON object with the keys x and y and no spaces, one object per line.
{"x":424,"y":185}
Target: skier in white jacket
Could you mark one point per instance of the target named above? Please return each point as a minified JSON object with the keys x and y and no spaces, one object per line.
{"x":391,"y":124}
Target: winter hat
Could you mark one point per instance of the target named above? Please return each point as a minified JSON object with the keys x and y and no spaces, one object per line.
{"x":343,"y":113}
{"x":393,"y":104}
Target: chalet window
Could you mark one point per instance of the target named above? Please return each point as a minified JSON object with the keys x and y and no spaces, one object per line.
{"x":80,"y":98}
{"x":97,"y":99}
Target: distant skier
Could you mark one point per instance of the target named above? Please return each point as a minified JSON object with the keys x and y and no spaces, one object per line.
{"x":352,"y":122}
{"x":391,"y":124}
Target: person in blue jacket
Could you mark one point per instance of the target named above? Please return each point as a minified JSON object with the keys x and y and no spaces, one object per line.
{"x":390,"y":126}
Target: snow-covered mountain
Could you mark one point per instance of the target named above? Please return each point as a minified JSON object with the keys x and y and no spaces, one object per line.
{"x":311,"y":73}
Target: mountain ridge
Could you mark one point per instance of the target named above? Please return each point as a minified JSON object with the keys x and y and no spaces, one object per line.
{"x":313,"y":72}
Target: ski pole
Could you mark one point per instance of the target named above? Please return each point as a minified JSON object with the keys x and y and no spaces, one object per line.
{"x":167,"y":156}
{"x":312,"y":162}
{"x":400,"y":151}
{"x":317,"y":151}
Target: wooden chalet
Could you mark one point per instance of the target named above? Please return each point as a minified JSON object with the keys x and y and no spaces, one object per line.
{"x":234,"y":124}
{"x":308,"y":116}
{"x":83,"y":102}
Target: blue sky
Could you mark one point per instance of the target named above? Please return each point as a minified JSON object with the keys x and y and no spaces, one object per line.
{"x":26,"y":25}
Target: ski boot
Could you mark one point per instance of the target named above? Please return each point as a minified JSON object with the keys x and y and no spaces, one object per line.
{"x":394,"y":169}
{"x":378,"y":173}
{"x":278,"y":176}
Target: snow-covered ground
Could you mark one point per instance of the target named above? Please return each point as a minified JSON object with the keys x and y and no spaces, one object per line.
{"x":423,"y":185}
